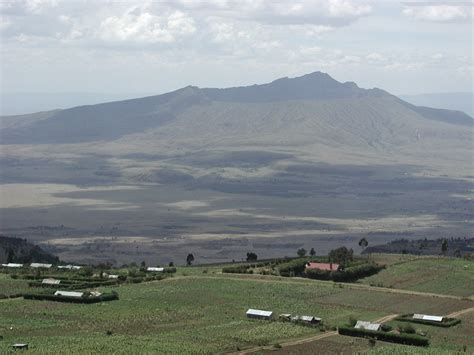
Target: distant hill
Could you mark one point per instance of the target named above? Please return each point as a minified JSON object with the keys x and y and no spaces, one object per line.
{"x":460,"y":101}
{"x":16,"y":250}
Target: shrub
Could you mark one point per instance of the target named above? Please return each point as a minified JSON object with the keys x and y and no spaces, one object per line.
{"x":295,"y":267}
{"x":407,"y":329}
{"x":237,"y":269}
{"x":406,"y":339}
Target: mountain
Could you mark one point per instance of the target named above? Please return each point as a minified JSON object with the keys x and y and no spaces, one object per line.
{"x":313,"y":92}
{"x":460,"y":101}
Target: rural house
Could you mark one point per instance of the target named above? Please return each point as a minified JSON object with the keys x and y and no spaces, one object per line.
{"x":71,"y":294}
{"x":258,"y":314}
{"x":155,"y":269}
{"x":12,"y":265}
{"x":306,"y":319}
{"x":367,"y":325}
{"x":51,"y":282}
{"x":322,"y":266}
{"x":41,"y":266}
{"x":428,"y":317}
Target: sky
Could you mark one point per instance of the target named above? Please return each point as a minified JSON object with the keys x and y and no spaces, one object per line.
{"x":127,"y":47}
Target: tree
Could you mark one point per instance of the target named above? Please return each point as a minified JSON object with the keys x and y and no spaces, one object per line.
{"x":341,"y":255}
{"x":301,"y":252}
{"x":251,"y":256}
{"x":189,"y":259}
{"x":143,"y":264}
{"x":312,"y":252}
{"x":171,"y":264}
{"x":444,"y":246}
{"x":457,"y":253}
{"x":363,"y":243}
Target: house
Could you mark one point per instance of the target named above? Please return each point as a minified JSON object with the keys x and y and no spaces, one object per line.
{"x":21,"y":346}
{"x":51,"y":282}
{"x":306,"y":319}
{"x":72,"y":294}
{"x":113,"y":276}
{"x":285,"y":317}
{"x":12,"y":265}
{"x":155,"y":269}
{"x":70,"y":267}
{"x":322,"y":266}
{"x":367,"y":325}
{"x":41,"y":265}
{"x":428,"y":317}
{"x":258,"y":314}
{"x":95,"y":293}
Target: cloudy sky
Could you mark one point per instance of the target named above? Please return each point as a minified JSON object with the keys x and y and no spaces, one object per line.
{"x":158,"y":46}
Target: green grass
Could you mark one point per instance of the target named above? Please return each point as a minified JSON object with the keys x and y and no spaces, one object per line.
{"x":9,"y":286}
{"x":428,"y":274}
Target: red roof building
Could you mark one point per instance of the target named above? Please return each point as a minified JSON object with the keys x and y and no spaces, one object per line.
{"x":322,"y":266}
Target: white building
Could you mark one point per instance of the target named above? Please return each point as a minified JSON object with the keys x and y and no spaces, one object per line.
{"x":41,"y":265}
{"x":113,"y":276}
{"x":258,"y":314}
{"x":51,"y":282}
{"x":367,"y":325}
{"x":13,"y":265}
{"x":155,"y":269}
{"x":428,"y":317}
{"x":72,"y":294}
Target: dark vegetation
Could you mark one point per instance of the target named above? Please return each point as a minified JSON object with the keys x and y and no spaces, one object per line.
{"x":16,"y":250}
{"x":458,"y":247}
{"x":406,"y":339}
{"x":446,"y":323}
{"x":87,"y":298}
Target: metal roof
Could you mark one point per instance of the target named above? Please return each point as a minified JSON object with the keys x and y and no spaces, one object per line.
{"x":69,"y":293}
{"x":69,"y":267}
{"x":51,"y":281}
{"x":257,"y":312}
{"x":12,"y":265}
{"x":367,"y":325}
{"x":428,"y":317}
{"x":155,"y":269}
{"x":37,"y":265}
{"x":113,"y":276}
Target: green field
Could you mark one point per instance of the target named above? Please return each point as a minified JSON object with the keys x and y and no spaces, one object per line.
{"x":428,"y":274}
{"x":199,"y":313}
{"x":9,"y":286}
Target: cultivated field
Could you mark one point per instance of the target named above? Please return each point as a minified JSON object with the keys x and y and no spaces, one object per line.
{"x":200,"y":310}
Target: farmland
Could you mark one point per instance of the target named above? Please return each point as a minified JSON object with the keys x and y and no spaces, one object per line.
{"x":428,"y":274}
{"x":200,"y":310}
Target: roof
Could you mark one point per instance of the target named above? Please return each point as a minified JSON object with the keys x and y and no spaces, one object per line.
{"x":367,"y":325}
{"x":322,"y":266}
{"x":155,"y":268}
{"x":257,"y":312}
{"x":428,"y":317}
{"x":69,"y":293}
{"x":309,"y":318}
{"x":47,"y":266}
{"x":12,"y":265}
{"x":51,"y":281}
{"x":113,"y":276}
{"x":70,"y":267}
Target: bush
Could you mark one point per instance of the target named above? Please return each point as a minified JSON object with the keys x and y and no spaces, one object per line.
{"x":51,"y":297}
{"x":349,"y":274}
{"x":293,"y":267}
{"x":237,"y":269}
{"x":446,"y":323}
{"x":407,"y":329}
{"x":406,"y":339}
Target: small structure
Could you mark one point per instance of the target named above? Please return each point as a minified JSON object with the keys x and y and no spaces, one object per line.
{"x":307,"y":319}
{"x":113,"y":276}
{"x":72,"y":294}
{"x":258,"y":314}
{"x":428,"y":317}
{"x":95,"y":293}
{"x":41,"y":266}
{"x":286,"y":317}
{"x":20,"y":346}
{"x":70,"y":267}
{"x":367,"y":325}
{"x":12,"y":265}
{"x":51,"y":282}
{"x":155,"y":269}
{"x":322,"y":266}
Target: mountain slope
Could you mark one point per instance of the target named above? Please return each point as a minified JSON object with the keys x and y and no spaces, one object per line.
{"x":110,"y":121}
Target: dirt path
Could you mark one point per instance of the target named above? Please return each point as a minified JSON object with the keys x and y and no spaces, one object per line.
{"x":10,"y":299}
{"x":460,"y":313}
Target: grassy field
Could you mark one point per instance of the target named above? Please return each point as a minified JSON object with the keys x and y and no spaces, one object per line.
{"x":427,"y":274}
{"x":199,"y":313}
{"x":9,"y":286}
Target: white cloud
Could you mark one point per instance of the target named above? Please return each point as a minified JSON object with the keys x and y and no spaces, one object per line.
{"x":439,"y":12}
{"x":137,"y":26}
{"x":375,"y":57}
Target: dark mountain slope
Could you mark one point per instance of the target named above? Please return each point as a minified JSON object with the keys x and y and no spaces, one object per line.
{"x":16,"y":250}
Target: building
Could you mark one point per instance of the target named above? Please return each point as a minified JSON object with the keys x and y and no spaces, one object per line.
{"x":428,"y":317}
{"x":12,"y":265}
{"x":41,"y":266}
{"x":71,"y":294}
{"x":367,"y":325}
{"x":155,"y":269}
{"x":113,"y":276}
{"x":322,"y":266}
{"x":51,"y":282}
{"x":69,"y":267}
{"x":306,"y":319}
{"x":258,"y":314}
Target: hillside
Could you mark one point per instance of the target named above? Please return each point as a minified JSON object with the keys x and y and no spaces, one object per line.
{"x":15,"y":250}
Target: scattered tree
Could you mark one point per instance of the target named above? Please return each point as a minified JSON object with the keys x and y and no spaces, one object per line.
{"x":363,"y":243}
{"x":171,"y":264}
{"x":312,"y":252}
{"x":143,"y":264}
{"x":444,"y":246}
{"x":251,"y":256}
{"x":301,"y":252}
{"x":341,"y":255}
{"x":189,"y":259}
{"x":457,"y":253}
